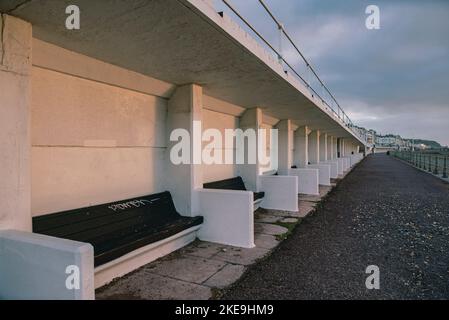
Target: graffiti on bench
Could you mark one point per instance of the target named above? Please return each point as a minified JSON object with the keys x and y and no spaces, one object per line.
{"x":131,"y":204}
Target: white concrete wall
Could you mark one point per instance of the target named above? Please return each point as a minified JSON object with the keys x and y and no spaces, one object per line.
{"x":219,"y":121}
{"x":314,"y":147}
{"x":15,"y":68}
{"x":285,"y":146}
{"x":301,"y":147}
{"x":92,"y":142}
{"x":98,"y":131}
{"x":268,"y":149}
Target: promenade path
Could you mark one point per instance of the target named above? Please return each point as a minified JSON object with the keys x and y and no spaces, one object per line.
{"x":384,"y":213}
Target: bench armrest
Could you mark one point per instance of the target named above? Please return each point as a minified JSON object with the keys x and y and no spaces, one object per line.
{"x":228,"y":217}
{"x":324,"y":173}
{"x":308,"y":180}
{"x":34,"y":266}
{"x":281,"y":192}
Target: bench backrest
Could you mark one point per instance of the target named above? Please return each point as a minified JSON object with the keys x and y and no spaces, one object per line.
{"x":227,"y":184}
{"x":90,"y":223}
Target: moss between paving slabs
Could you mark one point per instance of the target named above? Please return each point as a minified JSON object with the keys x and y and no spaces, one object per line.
{"x":290,"y":226}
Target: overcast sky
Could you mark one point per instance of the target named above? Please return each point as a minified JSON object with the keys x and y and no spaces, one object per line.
{"x":393,"y":80}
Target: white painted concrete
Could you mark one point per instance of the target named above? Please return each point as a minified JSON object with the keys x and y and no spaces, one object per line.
{"x":314,"y":147}
{"x":285,"y":146}
{"x":347,"y":163}
{"x":142,"y":256}
{"x":34,"y":266}
{"x":219,"y":121}
{"x":228,"y":217}
{"x":281,"y":192}
{"x":330,"y":147}
{"x":341,"y":166}
{"x":15,"y":65}
{"x":323,"y":147}
{"x":93,"y":143}
{"x":308,"y":180}
{"x":184,"y":107}
{"x":251,"y":119}
{"x":324,"y":173}
{"x":301,"y":147}
{"x":51,"y":57}
{"x":334,"y":168}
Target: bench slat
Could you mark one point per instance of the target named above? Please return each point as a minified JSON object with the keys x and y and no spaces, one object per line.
{"x":119,"y":227}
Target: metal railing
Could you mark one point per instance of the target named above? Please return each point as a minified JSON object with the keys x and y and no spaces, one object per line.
{"x":327,"y":98}
{"x":435,"y":163}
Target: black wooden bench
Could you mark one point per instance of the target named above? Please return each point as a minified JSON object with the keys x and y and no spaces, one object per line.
{"x":233,"y":184}
{"x":117,"y":228}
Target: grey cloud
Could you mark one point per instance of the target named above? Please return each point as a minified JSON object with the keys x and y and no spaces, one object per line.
{"x":398,"y":75}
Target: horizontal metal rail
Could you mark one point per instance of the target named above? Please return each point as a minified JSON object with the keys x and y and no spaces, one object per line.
{"x":340,"y":114}
{"x":435,"y":163}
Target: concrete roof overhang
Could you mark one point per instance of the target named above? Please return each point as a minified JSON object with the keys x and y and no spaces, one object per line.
{"x":181,"y":41}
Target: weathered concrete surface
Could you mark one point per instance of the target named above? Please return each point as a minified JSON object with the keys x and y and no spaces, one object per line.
{"x":226,"y":276}
{"x":384,"y":213}
{"x":269,"y":229}
{"x":15,"y":64}
{"x":266,"y":241}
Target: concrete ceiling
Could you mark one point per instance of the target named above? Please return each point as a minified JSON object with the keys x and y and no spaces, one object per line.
{"x":175,"y":41}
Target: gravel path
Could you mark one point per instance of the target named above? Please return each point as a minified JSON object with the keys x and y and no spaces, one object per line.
{"x":384,"y":213}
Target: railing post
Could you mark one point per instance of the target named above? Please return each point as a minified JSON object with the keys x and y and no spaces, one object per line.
{"x":435,"y":170}
{"x":445,"y":167}
{"x":424,"y":166}
{"x":430,"y":163}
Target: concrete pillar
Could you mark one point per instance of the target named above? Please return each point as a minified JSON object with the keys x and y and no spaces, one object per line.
{"x":15,"y":144}
{"x":342,"y":148}
{"x":251,"y":119}
{"x":184,"y":107}
{"x":330,"y":147}
{"x":314,"y":147}
{"x":323,"y":147}
{"x":301,"y":141}
{"x":285,"y":143}
{"x":334,"y":147}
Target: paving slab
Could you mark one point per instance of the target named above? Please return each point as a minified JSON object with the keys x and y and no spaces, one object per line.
{"x":271,"y":229}
{"x":324,"y":190}
{"x":142,"y":285}
{"x":265,"y":241}
{"x":305,"y":208}
{"x":226,"y":276}
{"x":289,"y":220}
{"x":202,"y":249}
{"x":190,"y":269}
{"x":242,"y":256}
{"x":268,"y":218}
{"x":309,"y":198}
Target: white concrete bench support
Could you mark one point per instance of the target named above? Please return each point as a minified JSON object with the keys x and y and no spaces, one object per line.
{"x":324,"y":173}
{"x":34,"y":266}
{"x":228,"y":217}
{"x":334,"y":168}
{"x":308,"y":180}
{"x":281,"y":192}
